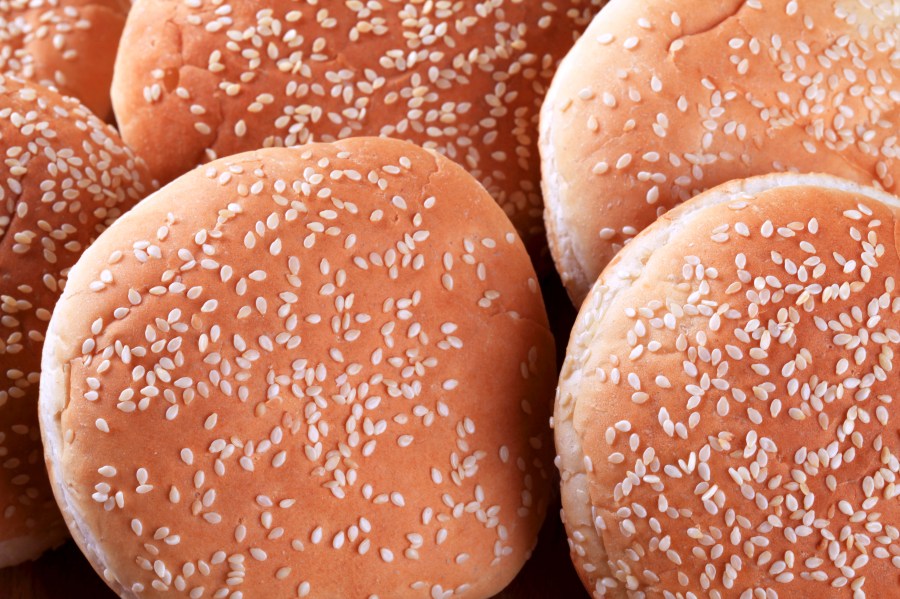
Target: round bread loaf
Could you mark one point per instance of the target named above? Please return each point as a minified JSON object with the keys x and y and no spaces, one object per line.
{"x":725,"y":421}
{"x":68,"y":44}
{"x":662,"y":99}
{"x":466,"y":79}
{"x":322,"y":370}
{"x":65,"y":177}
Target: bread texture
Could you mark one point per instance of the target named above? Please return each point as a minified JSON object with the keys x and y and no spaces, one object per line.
{"x":321,"y":370}
{"x":67,"y":44}
{"x":66,"y":175}
{"x":662,"y":99}
{"x":725,"y":421}
{"x":465,"y":79}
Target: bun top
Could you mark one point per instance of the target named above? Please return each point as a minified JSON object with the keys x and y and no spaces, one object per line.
{"x":725,"y":418}
{"x":662,"y":99}
{"x":318,"y":370}
{"x":67,"y":44}
{"x":65,"y":177}
{"x":465,"y":79}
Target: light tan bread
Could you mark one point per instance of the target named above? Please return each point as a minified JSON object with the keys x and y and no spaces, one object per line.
{"x":65,"y":177}
{"x":725,"y":420}
{"x":68,"y":44}
{"x":466,"y":79}
{"x":321,"y":370}
{"x":662,"y":99}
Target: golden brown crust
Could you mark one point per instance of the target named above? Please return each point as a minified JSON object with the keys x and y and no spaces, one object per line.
{"x":660,"y":100}
{"x":462,"y":78}
{"x":67,"y":44}
{"x":724,"y":418}
{"x":332,"y":364}
{"x":65,"y":177}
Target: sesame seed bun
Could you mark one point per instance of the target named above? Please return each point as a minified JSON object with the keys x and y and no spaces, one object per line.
{"x":724,"y":420}
{"x":662,"y":99}
{"x":466,"y":79}
{"x":322,"y":370}
{"x":65,"y":177}
{"x":67,"y":44}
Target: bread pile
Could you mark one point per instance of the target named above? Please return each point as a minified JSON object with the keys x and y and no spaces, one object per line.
{"x":291,"y":325}
{"x":724,"y":422}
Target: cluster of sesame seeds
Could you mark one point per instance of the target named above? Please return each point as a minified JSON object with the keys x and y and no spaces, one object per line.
{"x":465,"y":79}
{"x":51,"y":41}
{"x":65,"y":176}
{"x":764,"y":86}
{"x":309,"y":384}
{"x":759,"y":457}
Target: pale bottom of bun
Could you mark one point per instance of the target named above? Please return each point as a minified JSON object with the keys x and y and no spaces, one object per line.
{"x":22,"y":549}
{"x":54,"y":395}
{"x":553,"y":187}
{"x":588,"y":552}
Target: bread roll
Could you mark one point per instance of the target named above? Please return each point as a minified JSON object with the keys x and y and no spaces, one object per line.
{"x":725,"y":420}
{"x":661,"y":99}
{"x":466,"y":79}
{"x":320,"y":371}
{"x":65,"y":177}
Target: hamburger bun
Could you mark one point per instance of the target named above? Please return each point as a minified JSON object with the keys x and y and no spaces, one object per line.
{"x":725,"y":421}
{"x":661,"y":99}
{"x":321,"y":370}
{"x":65,"y":177}
{"x":463,"y":78}
{"x":66,"y":44}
